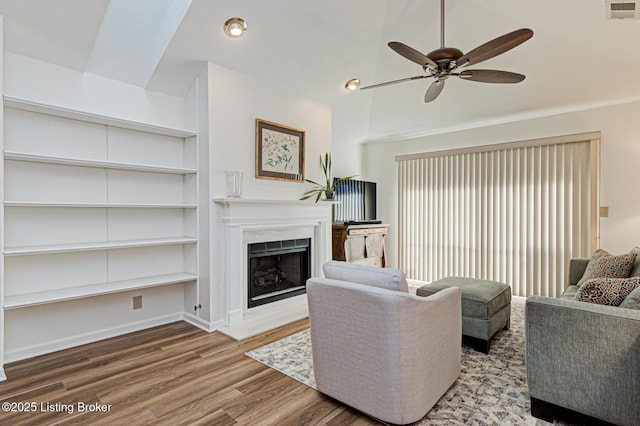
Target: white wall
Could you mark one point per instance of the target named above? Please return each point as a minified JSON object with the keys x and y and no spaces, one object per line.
{"x":35,"y":330}
{"x":2,"y":230}
{"x":620,"y":151}
{"x":198,"y":98}
{"x":235,"y":101}
{"x":347,"y":159}
{"x":49,"y":84}
{"x":347,"y":118}
{"x":46,"y":328}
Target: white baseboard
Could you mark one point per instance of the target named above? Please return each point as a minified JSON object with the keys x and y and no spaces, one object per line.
{"x":207,"y":326}
{"x":82,"y":339}
{"x":3,"y":376}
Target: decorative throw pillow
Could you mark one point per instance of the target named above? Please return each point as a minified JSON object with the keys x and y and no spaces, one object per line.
{"x":607,"y":291}
{"x":605,"y":265}
{"x":632,"y":301}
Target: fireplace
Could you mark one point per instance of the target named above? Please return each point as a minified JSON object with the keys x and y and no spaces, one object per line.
{"x":277,"y":270}
{"x":249,"y":221}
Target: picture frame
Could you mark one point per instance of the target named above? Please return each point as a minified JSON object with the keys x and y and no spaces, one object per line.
{"x":279,"y":151}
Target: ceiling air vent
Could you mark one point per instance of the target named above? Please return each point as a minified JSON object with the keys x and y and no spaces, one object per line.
{"x":621,"y":9}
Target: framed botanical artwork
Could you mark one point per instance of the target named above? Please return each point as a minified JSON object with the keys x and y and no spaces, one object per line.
{"x":279,"y":152}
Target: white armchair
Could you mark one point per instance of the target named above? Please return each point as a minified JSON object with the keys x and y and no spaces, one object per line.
{"x":381,"y":350}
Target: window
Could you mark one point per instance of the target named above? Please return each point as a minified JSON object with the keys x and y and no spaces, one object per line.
{"x":514,"y":213}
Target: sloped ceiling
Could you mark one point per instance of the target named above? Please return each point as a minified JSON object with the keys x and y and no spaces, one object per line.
{"x":576,"y":58}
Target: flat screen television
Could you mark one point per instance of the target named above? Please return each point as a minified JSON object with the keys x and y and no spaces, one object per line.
{"x":356,"y":202}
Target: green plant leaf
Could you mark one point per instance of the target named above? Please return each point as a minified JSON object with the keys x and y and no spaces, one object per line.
{"x":310,"y":193}
{"x":327,"y":174}
{"x":315,"y":183}
{"x":323,"y":164}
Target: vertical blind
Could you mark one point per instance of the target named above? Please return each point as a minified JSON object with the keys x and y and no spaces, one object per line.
{"x":514,"y":213}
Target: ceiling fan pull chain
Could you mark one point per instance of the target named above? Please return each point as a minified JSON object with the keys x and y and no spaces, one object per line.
{"x":442,"y":23}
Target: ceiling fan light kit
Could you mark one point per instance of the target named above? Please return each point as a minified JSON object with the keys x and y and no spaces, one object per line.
{"x":352,"y":84}
{"x":444,"y":62}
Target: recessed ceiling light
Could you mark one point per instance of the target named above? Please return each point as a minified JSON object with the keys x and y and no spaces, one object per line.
{"x":352,"y":84}
{"x":235,"y":27}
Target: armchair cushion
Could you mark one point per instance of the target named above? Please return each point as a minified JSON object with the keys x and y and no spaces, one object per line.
{"x":391,"y":279}
{"x":605,"y":265}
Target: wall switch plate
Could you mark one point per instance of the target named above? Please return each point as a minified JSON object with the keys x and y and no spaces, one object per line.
{"x":604,"y":211}
{"x":137,"y":302}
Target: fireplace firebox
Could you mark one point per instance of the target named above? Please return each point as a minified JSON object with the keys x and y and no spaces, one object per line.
{"x":278,"y":270}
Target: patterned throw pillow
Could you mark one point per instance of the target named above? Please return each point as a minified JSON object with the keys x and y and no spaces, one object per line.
{"x":607,"y":291}
{"x":605,"y":265}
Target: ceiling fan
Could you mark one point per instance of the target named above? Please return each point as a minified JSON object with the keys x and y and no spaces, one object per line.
{"x":444,"y":62}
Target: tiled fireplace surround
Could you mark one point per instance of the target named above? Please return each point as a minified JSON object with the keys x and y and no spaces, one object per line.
{"x":247,"y":221}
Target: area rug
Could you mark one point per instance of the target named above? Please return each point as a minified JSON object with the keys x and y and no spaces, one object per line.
{"x":491,"y":389}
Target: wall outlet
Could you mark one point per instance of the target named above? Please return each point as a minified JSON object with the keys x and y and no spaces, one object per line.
{"x":604,"y":211}
{"x":137,"y":302}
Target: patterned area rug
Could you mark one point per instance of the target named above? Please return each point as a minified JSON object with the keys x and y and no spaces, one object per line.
{"x":491,"y":389}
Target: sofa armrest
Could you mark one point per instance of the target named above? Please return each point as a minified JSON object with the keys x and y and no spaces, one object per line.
{"x":584,"y":357}
{"x":576,"y":270}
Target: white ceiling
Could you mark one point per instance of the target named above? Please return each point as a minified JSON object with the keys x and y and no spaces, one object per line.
{"x":575,"y":59}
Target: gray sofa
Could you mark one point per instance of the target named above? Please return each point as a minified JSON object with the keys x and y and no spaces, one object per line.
{"x":583,"y":359}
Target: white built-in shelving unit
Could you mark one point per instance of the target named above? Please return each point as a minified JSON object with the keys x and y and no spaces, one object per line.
{"x":94,"y":205}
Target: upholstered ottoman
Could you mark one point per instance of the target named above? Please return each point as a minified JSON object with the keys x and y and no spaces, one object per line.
{"x":486,"y":307}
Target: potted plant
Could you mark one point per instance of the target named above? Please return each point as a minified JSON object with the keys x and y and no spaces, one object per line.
{"x":329,"y":185}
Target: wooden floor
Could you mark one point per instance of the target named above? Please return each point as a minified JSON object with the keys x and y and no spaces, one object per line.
{"x":175,"y":375}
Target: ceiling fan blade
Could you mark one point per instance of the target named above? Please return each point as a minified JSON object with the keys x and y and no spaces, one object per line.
{"x":434,"y":90}
{"x":491,"y":76}
{"x":495,"y":47}
{"x":417,"y":77}
{"x":411,"y":54}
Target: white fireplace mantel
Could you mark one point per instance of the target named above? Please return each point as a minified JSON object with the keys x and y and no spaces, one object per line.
{"x":246,"y":221}
{"x":245,"y":210}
